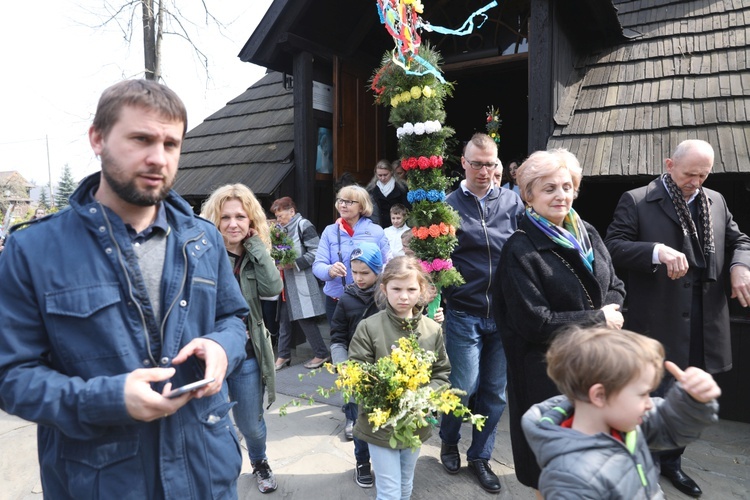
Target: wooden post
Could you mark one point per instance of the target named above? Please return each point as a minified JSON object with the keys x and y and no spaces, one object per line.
{"x":304,"y":134}
{"x":540,"y":71}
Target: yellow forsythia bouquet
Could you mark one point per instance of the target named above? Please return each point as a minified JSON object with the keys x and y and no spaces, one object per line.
{"x":395,"y":392}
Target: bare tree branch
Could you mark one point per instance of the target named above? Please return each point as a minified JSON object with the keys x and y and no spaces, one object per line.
{"x":159,"y":18}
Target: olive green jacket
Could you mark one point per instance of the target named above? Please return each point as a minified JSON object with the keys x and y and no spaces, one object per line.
{"x":260,"y":277}
{"x":373,"y":340}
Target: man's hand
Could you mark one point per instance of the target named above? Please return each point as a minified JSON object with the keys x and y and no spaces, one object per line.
{"x":700,"y":385}
{"x":613,"y":316}
{"x":677,"y":264}
{"x":740,"y":278}
{"x":143,"y":403}
{"x":215,"y":359}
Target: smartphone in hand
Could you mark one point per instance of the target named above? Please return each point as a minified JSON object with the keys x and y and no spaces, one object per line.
{"x":189,"y":387}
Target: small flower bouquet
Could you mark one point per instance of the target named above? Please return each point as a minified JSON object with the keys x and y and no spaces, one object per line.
{"x":395,"y":392}
{"x":493,"y":123}
{"x":282,"y":247}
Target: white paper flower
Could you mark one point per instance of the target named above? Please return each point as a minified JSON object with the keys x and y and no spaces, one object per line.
{"x":408,"y":128}
{"x":419,"y":128}
{"x":400,"y":132}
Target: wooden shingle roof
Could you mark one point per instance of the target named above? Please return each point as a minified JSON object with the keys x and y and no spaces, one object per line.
{"x":250,"y":140}
{"x":687,"y":76}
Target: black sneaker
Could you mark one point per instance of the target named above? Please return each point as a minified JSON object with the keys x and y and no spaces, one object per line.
{"x":363,"y":475}
{"x":264,"y":476}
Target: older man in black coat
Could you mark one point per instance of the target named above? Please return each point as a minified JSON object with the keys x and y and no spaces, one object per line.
{"x":680,"y":246}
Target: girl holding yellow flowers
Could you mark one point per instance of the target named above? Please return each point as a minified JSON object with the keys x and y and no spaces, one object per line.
{"x":386,"y":336}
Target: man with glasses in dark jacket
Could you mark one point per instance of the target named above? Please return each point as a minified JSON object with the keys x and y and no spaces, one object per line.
{"x":489,"y":215}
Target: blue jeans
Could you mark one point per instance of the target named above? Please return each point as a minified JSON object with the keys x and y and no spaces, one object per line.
{"x":478,"y":366}
{"x":246,"y":389}
{"x":361,"y":448}
{"x":394,"y":471}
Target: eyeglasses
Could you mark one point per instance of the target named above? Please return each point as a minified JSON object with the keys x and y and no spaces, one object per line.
{"x":478,"y":165}
{"x":346,"y":203}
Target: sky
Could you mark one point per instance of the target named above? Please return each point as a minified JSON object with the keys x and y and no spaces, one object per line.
{"x":58,"y":58}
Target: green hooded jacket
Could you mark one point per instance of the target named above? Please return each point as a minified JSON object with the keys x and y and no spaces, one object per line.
{"x":373,"y":339}
{"x":259,"y":277}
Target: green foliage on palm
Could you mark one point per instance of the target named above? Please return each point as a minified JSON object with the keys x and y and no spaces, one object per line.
{"x":419,"y":99}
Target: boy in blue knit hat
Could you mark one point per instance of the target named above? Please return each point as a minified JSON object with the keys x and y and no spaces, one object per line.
{"x":356,"y":303}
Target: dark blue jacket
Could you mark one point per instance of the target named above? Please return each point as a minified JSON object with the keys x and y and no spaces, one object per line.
{"x":72,"y":329}
{"x":353,"y":306}
{"x":481,"y":236}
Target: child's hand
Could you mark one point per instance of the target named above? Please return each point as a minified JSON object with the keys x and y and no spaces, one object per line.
{"x":700,"y":385}
{"x":439,"y":316}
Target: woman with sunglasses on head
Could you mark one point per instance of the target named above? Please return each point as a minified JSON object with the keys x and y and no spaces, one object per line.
{"x":340,"y":238}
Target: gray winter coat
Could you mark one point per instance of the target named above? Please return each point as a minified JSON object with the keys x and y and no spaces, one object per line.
{"x":303,"y":295}
{"x":579,"y":466}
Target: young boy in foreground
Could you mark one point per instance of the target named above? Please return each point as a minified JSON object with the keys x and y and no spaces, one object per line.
{"x":595,"y":441}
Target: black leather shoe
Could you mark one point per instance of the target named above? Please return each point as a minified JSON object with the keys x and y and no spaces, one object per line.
{"x":450,"y":458}
{"x":487,"y":479}
{"x":682,"y":482}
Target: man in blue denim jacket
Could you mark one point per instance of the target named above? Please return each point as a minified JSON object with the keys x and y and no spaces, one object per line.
{"x":489,"y":216}
{"x":108,"y":305}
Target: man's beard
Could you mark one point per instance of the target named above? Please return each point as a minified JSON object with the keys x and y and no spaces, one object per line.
{"x":126,"y":189}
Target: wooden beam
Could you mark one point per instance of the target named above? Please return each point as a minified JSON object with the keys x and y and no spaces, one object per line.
{"x":540,"y":72}
{"x":304,"y":133}
{"x":483,"y":62}
{"x":293,"y":43}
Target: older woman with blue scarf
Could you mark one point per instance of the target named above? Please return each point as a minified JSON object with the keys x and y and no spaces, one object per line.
{"x":554,"y":272}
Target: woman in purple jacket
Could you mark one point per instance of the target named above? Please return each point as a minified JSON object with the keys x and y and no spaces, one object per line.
{"x":340,"y":238}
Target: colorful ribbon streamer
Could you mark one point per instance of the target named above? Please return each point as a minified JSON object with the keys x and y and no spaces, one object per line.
{"x":402,"y":21}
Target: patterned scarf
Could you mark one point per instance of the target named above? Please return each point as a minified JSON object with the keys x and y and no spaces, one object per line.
{"x":573,"y":234}
{"x":686,"y":220}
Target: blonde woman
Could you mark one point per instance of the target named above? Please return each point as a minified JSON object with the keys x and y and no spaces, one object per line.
{"x":340,"y":238}
{"x":386,"y":190}
{"x":243,"y":225}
